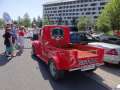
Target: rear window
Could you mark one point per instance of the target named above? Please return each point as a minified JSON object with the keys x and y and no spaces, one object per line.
{"x":57,"y":33}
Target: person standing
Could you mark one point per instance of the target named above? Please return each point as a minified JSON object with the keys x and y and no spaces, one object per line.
{"x":35,"y":32}
{"x":8,"y":41}
{"x":14,"y":37}
{"x":20,"y":42}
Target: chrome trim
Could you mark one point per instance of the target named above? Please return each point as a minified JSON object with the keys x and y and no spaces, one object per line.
{"x":74,"y":69}
{"x":96,"y":65}
{"x":99,"y":64}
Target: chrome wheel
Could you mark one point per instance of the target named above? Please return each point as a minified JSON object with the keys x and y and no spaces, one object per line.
{"x":56,"y":74}
{"x":52,"y":69}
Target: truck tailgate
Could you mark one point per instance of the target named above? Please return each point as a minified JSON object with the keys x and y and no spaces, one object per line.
{"x":83,"y":54}
{"x":86,"y":54}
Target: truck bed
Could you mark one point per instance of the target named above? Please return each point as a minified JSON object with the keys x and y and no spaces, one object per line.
{"x":83,"y":54}
{"x":80,"y":51}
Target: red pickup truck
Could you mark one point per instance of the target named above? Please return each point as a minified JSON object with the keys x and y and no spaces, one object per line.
{"x":56,"y":50}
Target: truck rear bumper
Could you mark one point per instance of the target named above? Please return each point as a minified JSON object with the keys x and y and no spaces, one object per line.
{"x":86,"y":67}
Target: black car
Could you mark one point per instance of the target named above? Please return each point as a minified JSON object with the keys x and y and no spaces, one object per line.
{"x":82,"y":37}
{"x":107,"y":38}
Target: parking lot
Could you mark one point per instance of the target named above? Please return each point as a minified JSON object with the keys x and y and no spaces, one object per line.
{"x":26,"y":73}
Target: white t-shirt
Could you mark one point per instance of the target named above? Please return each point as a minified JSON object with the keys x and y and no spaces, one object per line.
{"x":35,"y":30}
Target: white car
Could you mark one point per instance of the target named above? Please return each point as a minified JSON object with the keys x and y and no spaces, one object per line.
{"x":112,"y":52}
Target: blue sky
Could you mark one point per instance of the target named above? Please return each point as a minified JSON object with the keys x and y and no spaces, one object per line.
{"x":18,"y":7}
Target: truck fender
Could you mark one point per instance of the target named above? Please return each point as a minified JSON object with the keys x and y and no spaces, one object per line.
{"x":56,"y":60}
{"x":35,"y":44}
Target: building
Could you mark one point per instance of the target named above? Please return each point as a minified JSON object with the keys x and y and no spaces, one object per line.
{"x":69,"y":10}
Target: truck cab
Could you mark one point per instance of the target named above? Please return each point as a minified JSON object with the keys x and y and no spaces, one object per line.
{"x":54,"y":47}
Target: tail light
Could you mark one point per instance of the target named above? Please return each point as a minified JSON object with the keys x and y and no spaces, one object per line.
{"x":112,"y":52}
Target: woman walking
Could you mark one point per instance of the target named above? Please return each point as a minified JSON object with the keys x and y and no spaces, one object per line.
{"x":20,"y":42}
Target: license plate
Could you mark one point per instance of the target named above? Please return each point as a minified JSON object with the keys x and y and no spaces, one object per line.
{"x":87,"y":67}
{"x":87,"y":62}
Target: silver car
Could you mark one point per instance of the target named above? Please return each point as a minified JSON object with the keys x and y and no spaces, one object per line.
{"x":112,"y":52}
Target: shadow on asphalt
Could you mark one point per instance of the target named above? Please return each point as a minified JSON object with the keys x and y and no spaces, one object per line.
{"x":72,"y":80}
{"x":3,"y":59}
{"x":111,"y":68}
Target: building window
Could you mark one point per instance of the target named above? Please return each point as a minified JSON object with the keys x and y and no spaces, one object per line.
{"x":85,"y":0}
{"x":89,"y":8}
{"x":82,"y":13}
{"x":81,"y":9}
{"x":93,"y":8}
{"x":87,"y":13}
{"x":60,"y":7}
{"x":77,"y":5}
{"x":103,"y":3}
{"x":99,"y":8}
{"x":93,"y":4}
{"x":86,"y":5}
{"x":85,"y":9}
{"x":81,"y":5}
{"x":77,"y":10}
{"x":93,"y":12}
{"x":82,"y":1}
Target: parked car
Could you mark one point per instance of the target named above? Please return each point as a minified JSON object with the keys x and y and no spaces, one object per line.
{"x":107,"y":38}
{"x":82,"y":37}
{"x":55,"y":49}
{"x":111,"y":53}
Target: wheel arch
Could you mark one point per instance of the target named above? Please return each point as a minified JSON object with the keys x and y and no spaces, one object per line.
{"x":56,"y":60}
{"x":35,"y":45}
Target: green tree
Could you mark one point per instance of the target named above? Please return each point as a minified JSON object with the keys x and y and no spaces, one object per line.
{"x":34,"y":21}
{"x":103,"y":23}
{"x":110,"y":17}
{"x":84,"y":23}
{"x":26,"y":20}
{"x":19,"y":20}
{"x":39,"y":22}
{"x":46,"y":21}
